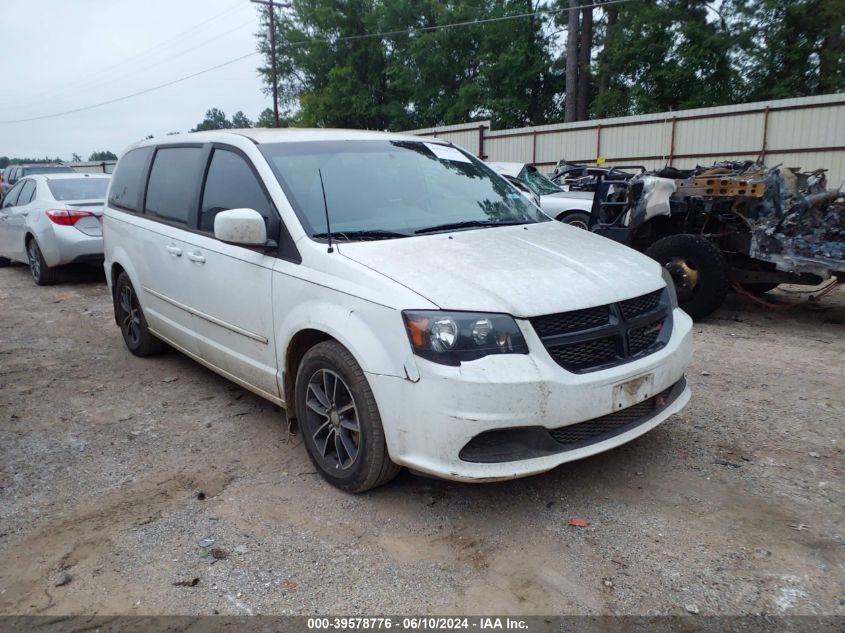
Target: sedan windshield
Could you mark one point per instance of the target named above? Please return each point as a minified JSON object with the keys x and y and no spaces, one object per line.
{"x":79,"y":188}
{"x":539,"y":184}
{"x":378,"y":189}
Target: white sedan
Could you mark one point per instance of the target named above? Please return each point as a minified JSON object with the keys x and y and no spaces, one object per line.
{"x":570,"y":207}
{"x":50,"y":220}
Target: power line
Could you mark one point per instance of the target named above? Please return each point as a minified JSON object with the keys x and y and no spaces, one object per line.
{"x":410,"y":31}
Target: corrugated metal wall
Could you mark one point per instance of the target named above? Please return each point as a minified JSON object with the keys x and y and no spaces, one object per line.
{"x":807,"y":132}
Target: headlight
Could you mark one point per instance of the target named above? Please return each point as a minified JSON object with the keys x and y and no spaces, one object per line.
{"x":670,"y":285}
{"x":451,"y":337}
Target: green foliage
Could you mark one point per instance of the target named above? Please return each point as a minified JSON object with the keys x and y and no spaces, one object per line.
{"x":101,"y":156}
{"x":649,"y":56}
{"x":431,"y":77}
{"x":214,"y":120}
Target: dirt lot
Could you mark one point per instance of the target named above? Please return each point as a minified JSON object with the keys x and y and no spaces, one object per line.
{"x":119,"y":472}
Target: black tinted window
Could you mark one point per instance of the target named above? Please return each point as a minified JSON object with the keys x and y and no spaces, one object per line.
{"x":230,"y":184}
{"x":127,"y":181}
{"x":170,"y":190}
{"x":27,"y":192}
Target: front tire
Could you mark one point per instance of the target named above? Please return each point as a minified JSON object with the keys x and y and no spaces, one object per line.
{"x":130,"y":317}
{"x":339,"y":420}
{"x":42,"y":274}
{"x":4,"y":262}
{"x":699,"y":269}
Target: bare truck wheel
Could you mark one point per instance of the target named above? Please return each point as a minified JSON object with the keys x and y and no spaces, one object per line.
{"x":339,"y":420}
{"x":130,"y":318}
{"x":698,"y":268}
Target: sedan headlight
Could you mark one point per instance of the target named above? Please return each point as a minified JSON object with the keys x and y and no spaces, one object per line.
{"x":451,"y":337}
{"x":670,"y":286}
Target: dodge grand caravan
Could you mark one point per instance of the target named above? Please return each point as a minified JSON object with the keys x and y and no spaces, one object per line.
{"x":405,"y":303}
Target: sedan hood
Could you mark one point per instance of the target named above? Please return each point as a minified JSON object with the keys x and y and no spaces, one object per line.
{"x":525,"y":270}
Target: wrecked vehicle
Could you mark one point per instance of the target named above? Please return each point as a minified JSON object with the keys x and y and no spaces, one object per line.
{"x":433,"y":319}
{"x":734,"y":224}
{"x":569,"y":207}
{"x":581,"y":177}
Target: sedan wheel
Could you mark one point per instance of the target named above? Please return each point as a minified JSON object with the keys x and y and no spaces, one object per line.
{"x":42,"y":274}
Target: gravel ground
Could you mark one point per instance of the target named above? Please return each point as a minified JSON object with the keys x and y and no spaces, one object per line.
{"x":153,"y":486}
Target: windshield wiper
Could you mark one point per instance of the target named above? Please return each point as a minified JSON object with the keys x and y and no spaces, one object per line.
{"x":468,"y":224}
{"x":368,"y":235}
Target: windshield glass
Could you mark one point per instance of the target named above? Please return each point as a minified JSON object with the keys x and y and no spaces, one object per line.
{"x":79,"y":188}
{"x":538,"y":182}
{"x":394,"y":187}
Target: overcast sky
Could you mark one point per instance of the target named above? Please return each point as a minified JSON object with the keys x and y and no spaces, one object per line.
{"x":64,"y":54}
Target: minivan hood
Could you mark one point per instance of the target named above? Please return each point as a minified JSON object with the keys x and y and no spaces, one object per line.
{"x":525,"y":270}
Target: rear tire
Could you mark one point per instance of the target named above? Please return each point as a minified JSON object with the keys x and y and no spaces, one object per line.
{"x":130,"y":318}
{"x":4,"y":262}
{"x":339,"y":420}
{"x":699,"y":269}
{"x":42,"y":274}
{"x":579,"y":219}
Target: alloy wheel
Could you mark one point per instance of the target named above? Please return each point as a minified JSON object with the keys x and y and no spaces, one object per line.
{"x":34,"y":259}
{"x":332,"y":420}
{"x":130,"y":319}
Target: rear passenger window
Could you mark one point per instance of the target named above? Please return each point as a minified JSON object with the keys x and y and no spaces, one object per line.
{"x":127,"y":181}
{"x":11,"y":198}
{"x":171,"y":187}
{"x":231,"y":184}
{"x":26,"y":193}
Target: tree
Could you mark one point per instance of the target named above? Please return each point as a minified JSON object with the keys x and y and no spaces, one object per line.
{"x":101,"y":156}
{"x":265,"y":119}
{"x":332,"y":75}
{"x":214,"y":120}
{"x":76,"y":158}
{"x":240,"y":120}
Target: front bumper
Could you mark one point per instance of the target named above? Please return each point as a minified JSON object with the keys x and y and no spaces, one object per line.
{"x":428,"y":423}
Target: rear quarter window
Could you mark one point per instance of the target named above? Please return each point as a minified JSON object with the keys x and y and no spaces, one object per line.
{"x":171,"y":188}
{"x":128,"y":180}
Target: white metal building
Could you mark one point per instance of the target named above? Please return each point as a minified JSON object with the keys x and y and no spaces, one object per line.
{"x":807,"y":132}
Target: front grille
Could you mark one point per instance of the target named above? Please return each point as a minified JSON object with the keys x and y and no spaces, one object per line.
{"x":598,"y":351}
{"x":639,"y":305}
{"x":609,"y":335}
{"x":584,"y":431}
{"x":569,"y":321}
{"x":643,"y":338}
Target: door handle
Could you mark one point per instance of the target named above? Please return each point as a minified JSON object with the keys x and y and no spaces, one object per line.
{"x":174,"y":250}
{"x":197,"y":257}
{"x":24,"y":213}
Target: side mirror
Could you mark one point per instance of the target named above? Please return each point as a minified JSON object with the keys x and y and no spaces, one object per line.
{"x":240,"y":226}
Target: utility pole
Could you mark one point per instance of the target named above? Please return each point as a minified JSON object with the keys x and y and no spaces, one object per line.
{"x":271,"y":10}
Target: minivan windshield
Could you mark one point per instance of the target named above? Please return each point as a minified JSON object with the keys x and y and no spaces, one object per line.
{"x":380,"y":189}
{"x":538,"y":183}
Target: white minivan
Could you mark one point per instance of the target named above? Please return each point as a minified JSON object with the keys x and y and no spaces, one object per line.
{"x":403,"y":302}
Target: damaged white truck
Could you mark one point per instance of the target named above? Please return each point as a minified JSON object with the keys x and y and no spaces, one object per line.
{"x":735,"y":224}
